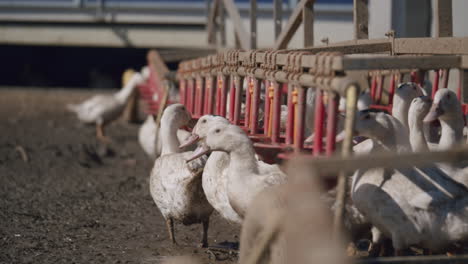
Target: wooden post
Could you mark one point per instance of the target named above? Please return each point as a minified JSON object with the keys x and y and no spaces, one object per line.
{"x":308,"y":24}
{"x":253,"y":24}
{"x":361,"y":19}
{"x":222,"y":22}
{"x":443,"y":18}
{"x":291,"y":27}
{"x":239,"y":29}
{"x":464,"y":84}
{"x":212,"y":10}
{"x":351,"y":102}
{"x":277,"y":17}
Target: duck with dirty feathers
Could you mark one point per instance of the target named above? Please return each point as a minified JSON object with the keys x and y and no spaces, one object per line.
{"x":175,"y":185}
{"x":411,"y":206}
{"x":215,"y":174}
{"x":244,"y":176}
{"x":103,"y":109}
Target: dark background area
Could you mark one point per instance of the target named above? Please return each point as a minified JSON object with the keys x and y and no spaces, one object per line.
{"x":48,"y":66}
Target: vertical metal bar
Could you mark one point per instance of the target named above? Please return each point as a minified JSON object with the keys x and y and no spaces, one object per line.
{"x":373,"y":87}
{"x":300,"y":120}
{"x":275,"y":134}
{"x":255,"y":104}
{"x":460,"y":86}
{"x":238,"y":100}
{"x":308,"y":23}
{"x":233,"y":85}
{"x":253,"y":24}
{"x":443,"y":18}
{"x":391,"y":92}
{"x":223,"y":97}
{"x":200,"y":96}
{"x":209,"y":86}
{"x":361,"y":19}
{"x":219,"y":87}
{"x":266,"y":112}
{"x":351,"y":101}
{"x":445,"y":79}
{"x":318,"y":122}
{"x":183,"y":92}
{"x":435,"y":84}
{"x":380,"y":85}
{"x":415,"y":77}
{"x":464,"y":81}
{"x":190,"y":95}
{"x":332,"y":120}
{"x":277,"y":15}
{"x":248,"y":102}
{"x":290,"y":121}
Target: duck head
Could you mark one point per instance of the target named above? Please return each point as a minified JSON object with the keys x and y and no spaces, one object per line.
{"x":177,"y":115}
{"x":419,"y":107}
{"x":445,"y":106}
{"x":201,"y":128}
{"x":221,"y":137}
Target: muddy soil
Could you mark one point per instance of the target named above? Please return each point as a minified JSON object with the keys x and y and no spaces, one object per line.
{"x":65,"y":200}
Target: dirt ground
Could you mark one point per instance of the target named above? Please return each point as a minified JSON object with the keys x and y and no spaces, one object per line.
{"x":64,"y":200}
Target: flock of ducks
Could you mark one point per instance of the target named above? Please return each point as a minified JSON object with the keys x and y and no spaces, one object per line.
{"x":425,"y":207}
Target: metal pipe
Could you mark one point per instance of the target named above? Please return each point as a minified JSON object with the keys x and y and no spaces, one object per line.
{"x":275,"y":134}
{"x":190,"y":96}
{"x":223,"y":97}
{"x":379,"y":90}
{"x":232,"y":96}
{"x":290,"y":120}
{"x":373,"y":87}
{"x":351,"y":101}
{"x":255,"y":106}
{"x":209,"y":85}
{"x":248,"y":102}
{"x":199,"y":94}
{"x":391,"y":92}
{"x":238,"y":100}
{"x":332,"y":120}
{"x":266,"y":112}
{"x":435,"y":84}
{"x":446,"y":73}
{"x":299,"y":123}
{"x":182,"y":92}
{"x":318,"y":122}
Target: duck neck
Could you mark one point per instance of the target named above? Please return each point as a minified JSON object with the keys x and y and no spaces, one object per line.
{"x":416,"y":134}
{"x":168,"y":135}
{"x":400,"y":111}
{"x":451,"y":131}
{"x":124,"y":94}
{"x":243,"y":160}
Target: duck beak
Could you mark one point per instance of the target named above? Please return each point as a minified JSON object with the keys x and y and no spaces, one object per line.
{"x":434,"y":113}
{"x":194,"y":138}
{"x":201,"y":150}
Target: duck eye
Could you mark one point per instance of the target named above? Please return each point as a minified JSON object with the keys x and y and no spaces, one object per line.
{"x":366,"y":116}
{"x":204,"y":121}
{"x":448,"y":96}
{"x":217,"y":130}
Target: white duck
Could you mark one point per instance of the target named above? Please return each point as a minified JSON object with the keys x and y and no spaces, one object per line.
{"x":176,"y":186}
{"x":103,"y":109}
{"x":409,"y":206}
{"x":418,"y":110}
{"x":150,"y":142}
{"x":404,"y":94}
{"x":447,"y":109}
{"x":215,"y":178}
{"x":245,"y":178}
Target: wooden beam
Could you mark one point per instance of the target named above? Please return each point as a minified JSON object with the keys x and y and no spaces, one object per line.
{"x":291,"y":27}
{"x":240,"y":31}
{"x":431,"y":46}
{"x":308,"y":24}
{"x":390,"y":160}
{"x":443,"y":19}
{"x":211,"y":21}
{"x":253,"y":24}
{"x":222,"y":22}
{"x":361,"y":19}
{"x":277,"y":17}
{"x":157,"y":61}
